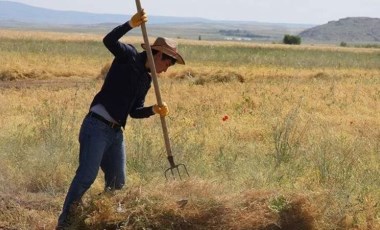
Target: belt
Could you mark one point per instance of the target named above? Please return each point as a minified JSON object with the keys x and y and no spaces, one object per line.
{"x":105,"y":121}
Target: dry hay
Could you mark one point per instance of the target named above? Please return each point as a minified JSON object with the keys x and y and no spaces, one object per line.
{"x":207,"y":208}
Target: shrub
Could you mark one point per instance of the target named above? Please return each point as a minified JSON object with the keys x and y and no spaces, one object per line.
{"x":291,"y":39}
{"x":343,"y":44}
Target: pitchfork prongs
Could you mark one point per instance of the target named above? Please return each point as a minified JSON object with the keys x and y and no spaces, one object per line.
{"x":173,"y":167}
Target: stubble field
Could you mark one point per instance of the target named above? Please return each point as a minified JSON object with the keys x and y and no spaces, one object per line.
{"x":273,"y":136}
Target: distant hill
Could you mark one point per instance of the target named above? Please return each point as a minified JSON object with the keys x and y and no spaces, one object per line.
{"x":22,"y":16}
{"x":352,"y":29}
{"x":13,"y":12}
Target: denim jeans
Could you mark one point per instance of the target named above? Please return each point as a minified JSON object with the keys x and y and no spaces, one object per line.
{"x":100,"y":147}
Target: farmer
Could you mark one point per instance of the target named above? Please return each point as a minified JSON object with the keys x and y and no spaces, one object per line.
{"x":122,"y":95}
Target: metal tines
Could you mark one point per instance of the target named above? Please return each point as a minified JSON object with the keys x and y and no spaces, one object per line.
{"x":175,"y":168}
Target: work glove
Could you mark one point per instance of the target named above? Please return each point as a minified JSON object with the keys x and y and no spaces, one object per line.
{"x":161,"y":110}
{"x":138,"y":19}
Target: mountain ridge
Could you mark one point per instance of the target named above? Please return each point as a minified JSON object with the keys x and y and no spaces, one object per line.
{"x":21,"y":16}
{"x":21,"y":12}
{"x":32,"y":14}
{"x":350,"y":29}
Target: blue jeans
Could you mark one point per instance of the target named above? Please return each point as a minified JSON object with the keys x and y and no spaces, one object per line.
{"x":100,"y":147}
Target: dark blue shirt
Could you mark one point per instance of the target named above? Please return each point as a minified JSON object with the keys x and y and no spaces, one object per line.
{"x":127,"y":82}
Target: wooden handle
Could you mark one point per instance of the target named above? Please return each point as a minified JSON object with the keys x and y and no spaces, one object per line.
{"x":155,"y":81}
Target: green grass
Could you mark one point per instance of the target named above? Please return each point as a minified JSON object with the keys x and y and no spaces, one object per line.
{"x":84,"y":49}
{"x":235,"y":54}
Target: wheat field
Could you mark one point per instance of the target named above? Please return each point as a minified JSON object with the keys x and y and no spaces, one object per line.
{"x":273,"y":136}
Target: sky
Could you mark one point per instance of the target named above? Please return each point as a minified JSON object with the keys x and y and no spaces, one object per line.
{"x":273,"y":11}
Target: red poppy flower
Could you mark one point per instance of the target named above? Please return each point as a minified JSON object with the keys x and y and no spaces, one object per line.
{"x":225,"y":118}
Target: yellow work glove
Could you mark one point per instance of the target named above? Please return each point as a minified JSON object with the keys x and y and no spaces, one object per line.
{"x":161,"y":110}
{"x":138,"y":19}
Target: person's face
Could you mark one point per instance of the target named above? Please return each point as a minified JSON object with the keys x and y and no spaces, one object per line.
{"x":161,"y":65}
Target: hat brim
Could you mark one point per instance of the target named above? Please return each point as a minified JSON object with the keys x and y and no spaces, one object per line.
{"x":168,"y":52}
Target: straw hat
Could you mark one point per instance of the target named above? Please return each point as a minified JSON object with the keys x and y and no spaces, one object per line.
{"x":168,"y":47}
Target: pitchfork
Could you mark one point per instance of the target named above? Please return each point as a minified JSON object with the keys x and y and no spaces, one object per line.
{"x":173,"y":167}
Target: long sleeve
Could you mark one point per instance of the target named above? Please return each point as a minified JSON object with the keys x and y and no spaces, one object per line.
{"x":138,"y":109}
{"x":111,"y":41}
